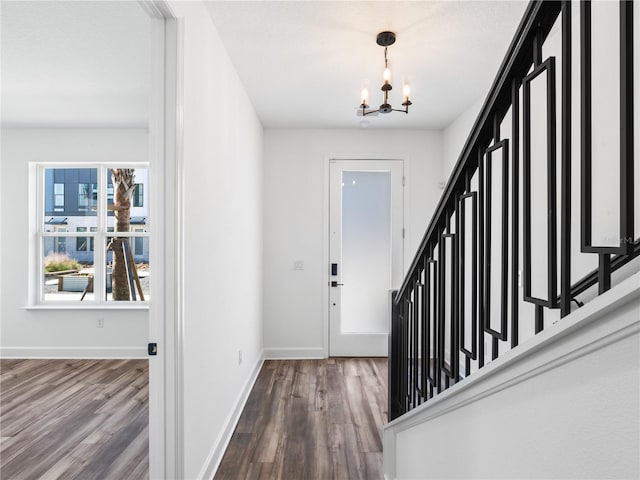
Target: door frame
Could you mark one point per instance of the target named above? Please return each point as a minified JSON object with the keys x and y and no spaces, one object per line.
{"x":326,"y":228}
{"x":166,"y":459}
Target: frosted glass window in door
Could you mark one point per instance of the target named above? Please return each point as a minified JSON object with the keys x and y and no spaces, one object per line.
{"x":366,"y":251}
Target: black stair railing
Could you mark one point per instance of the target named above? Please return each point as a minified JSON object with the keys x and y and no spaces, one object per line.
{"x":461,"y":302}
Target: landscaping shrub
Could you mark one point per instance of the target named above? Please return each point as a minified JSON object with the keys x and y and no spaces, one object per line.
{"x":57,"y":262}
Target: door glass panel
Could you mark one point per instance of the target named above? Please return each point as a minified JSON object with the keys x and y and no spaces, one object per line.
{"x":366,"y":251}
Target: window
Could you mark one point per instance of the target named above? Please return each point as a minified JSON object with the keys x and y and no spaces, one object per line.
{"x":58,"y":197}
{"x":138,"y":245}
{"x":60,"y":242}
{"x":87,"y":196}
{"x":138,"y":195}
{"x":80,"y":257}
{"x":82,"y":242}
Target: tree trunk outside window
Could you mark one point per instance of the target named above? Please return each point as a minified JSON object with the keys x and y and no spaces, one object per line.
{"x":123,"y":187}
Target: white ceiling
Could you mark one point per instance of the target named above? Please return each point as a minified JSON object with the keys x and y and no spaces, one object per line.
{"x":303,"y":63}
{"x":78,"y":63}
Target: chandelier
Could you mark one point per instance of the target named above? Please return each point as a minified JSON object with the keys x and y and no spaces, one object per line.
{"x":385,"y":39}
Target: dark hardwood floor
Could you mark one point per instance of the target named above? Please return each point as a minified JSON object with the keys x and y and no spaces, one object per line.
{"x":74,"y":419}
{"x":311,"y":419}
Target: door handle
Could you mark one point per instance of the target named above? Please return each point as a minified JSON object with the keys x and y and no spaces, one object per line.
{"x":336,"y":284}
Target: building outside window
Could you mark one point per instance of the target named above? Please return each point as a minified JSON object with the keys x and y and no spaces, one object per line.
{"x":82,"y":243}
{"x":58,"y":197}
{"x":60,"y":242}
{"x":75,"y":233}
{"x":87,"y":196}
{"x":138,"y":195}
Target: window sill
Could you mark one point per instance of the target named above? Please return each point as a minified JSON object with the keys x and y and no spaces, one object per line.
{"x":144,"y":307}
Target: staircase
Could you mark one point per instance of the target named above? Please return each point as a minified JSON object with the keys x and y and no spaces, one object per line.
{"x":515,"y":346}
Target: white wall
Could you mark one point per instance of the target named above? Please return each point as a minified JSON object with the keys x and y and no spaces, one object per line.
{"x":222,"y":241}
{"x":295,"y":205}
{"x":58,"y":333}
{"x":564,"y":407}
{"x":454,"y":136}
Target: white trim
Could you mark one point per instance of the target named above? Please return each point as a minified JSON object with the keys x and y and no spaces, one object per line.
{"x":157,"y":310}
{"x":216,"y":454}
{"x":288,"y":353}
{"x":174,"y":256}
{"x":78,"y":306}
{"x":165,"y":131}
{"x":589,"y":328}
{"x":73,"y":352}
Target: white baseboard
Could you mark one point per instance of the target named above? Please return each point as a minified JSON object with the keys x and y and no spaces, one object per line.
{"x":222,"y":442}
{"x":73,"y":352}
{"x":294,"y":353}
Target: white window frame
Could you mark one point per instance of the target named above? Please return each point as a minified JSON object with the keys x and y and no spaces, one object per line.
{"x":36,"y":284}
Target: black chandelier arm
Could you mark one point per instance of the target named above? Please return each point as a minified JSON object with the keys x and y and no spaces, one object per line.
{"x":369,"y":112}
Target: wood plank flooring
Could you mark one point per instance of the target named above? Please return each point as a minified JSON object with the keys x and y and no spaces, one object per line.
{"x":311,"y":419}
{"x":74,"y":419}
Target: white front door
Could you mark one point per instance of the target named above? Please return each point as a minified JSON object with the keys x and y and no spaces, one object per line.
{"x":365,"y":253}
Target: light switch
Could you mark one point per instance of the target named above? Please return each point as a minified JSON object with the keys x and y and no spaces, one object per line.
{"x":298,"y":264}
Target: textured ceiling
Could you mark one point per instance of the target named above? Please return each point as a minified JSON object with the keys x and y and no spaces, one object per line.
{"x":69,"y":64}
{"x":303,"y":63}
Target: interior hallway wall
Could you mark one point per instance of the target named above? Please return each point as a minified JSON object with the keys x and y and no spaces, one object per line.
{"x":295,"y":202}
{"x":222,"y":240}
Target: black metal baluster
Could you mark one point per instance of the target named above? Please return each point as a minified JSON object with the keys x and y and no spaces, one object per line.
{"x":467,"y":206}
{"x":626,"y":241}
{"x":551,"y":301}
{"x":502,"y":145}
{"x":424,"y":318}
{"x":565,"y":176}
{"x":403,"y":352}
{"x":394,"y":373}
{"x":539,"y":318}
{"x":417,"y":391}
{"x":585,"y":125}
{"x":410,"y":389}
{"x":473,"y":273}
{"x":604,"y":273}
{"x":626,"y":129}
{"x":431,"y":285}
{"x":455,"y":318}
{"x":515,"y":220}
{"x":481,"y":260}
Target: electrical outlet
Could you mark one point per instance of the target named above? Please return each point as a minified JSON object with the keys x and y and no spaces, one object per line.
{"x":100,"y":323}
{"x":239,"y":357}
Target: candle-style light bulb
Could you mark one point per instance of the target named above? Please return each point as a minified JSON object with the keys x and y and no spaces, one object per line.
{"x":386,"y":75}
{"x":364,"y":96}
{"x":406,"y":91}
